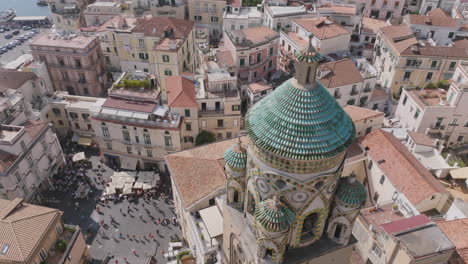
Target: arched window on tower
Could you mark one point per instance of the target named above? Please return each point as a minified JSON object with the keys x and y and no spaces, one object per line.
{"x":250,"y":204}
{"x":308,"y":226}
{"x":235,"y":197}
{"x":338,"y":230}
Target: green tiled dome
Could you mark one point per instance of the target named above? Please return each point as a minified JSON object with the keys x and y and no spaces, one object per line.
{"x":236,"y":156}
{"x":273,"y":215}
{"x":351,"y":192}
{"x":300,"y":124}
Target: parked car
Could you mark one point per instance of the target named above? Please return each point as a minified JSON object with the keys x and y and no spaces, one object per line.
{"x":2,"y":30}
{"x":16,"y":42}
{"x":26,"y":27}
{"x":16,"y":32}
{"x":10,"y":46}
{"x":8,"y":36}
{"x":6,"y":29}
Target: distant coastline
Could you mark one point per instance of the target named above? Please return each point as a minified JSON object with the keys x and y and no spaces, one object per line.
{"x":25,"y":7}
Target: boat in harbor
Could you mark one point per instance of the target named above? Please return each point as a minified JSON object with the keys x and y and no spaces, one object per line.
{"x":7,"y":15}
{"x":42,"y":2}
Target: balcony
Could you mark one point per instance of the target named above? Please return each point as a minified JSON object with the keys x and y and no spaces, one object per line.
{"x":367,"y":90}
{"x":438,"y":127}
{"x":337,"y":96}
{"x":69,"y":248}
{"x":353,"y":92}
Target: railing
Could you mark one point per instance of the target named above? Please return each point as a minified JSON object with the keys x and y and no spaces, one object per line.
{"x":353,"y":93}
{"x":163,"y":123}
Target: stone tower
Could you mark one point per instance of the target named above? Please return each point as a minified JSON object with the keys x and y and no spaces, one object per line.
{"x":288,"y":172}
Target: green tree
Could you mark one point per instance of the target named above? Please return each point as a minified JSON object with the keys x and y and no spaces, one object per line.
{"x":204,"y":137}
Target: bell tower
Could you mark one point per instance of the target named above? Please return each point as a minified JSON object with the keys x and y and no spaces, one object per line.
{"x":306,"y":66}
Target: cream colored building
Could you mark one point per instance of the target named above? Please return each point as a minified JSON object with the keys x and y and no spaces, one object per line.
{"x":385,"y":235}
{"x":133,"y":130}
{"x":208,"y":14}
{"x":68,"y":15}
{"x":30,"y":155}
{"x":404,"y":62}
{"x":32,"y":232}
{"x":70,"y":116}
{"x":365,"y":120}
{"x":102,"y":11}
{"x":160,"y":45}
{"x":439,"y":113}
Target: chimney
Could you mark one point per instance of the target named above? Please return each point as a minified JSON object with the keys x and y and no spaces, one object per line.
{"x":436,"y":143}
{"x":427,"y":131}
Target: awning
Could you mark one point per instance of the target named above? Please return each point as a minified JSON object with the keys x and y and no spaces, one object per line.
{"x":85,"y":141}
{"x":129,"y":163}
{"x":78,"y":156}
{"x":461,"y":173}
{"x":160,"y":111}
{"x":213,"y":221}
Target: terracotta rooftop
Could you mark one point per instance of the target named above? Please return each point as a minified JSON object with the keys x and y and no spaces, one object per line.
{"x":400,"y":37}
{"x":53,"y":40}
{"x":420,"y":138}
{"x":259,"y":86}
{"x":22,"y":227}
{"x":372,"y":25}
{"x":400,"y":166}
{"x":199,"y":172}
{"x":34,"y":128}
{"x":429,"y":97}
{"x":180,"y":92}
{"x":119,"y":23}
{"x":406,"y":224}
{"x":234,"y":3}
{"x":225,"y":59}
{"x":255,"y":35}
{"x":461,"y":43}
{"x":380,"y":215}
{"x":302,"y":43}
{"x":437,"y":51}
{"x":456,"y":231}
{"x":339,"y":73}
{"x":146,"y":107}
{"x":378,"y":94}
{"x":338,"y":9}
{"x":158,"y":26}
{"x":10,"y":79}
{"x":359,"y":113}
{"x":322,"y":27}
{"x":436,"y":18}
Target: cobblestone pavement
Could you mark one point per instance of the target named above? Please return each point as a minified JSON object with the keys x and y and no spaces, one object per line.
{"x":126,"y":224}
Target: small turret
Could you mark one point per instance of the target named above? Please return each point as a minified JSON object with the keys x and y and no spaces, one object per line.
{"x":306,"y":66}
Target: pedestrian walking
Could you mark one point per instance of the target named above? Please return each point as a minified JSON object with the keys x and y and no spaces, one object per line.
{"x":134,"y":251}
{"x":125,"y":259}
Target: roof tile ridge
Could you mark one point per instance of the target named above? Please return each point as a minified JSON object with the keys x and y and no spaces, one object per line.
{"x":34,"y":216}
{"x":408,"y":159}
{"x":16,"y":240}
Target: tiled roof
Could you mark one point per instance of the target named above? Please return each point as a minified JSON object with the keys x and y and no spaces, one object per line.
{"x":437,"y":51}
{"x":400,"y":166}
{"x":22,"y":227}
{"x":421,"y":139}
{"x":259,"y":86}
{"x":372,"y":24}
{"x":339,"y":73}
{"x":456,"y":231}
{"x":34,"y":128}
{"x":199,"y":172}
{"x":256,"y":35}
{"x":180,"y":92}
{"x":300,"y":124}
{"x":236,"y":156}
{"x":406,"y":224}
{"x":351,"y":192}
{"x":6,"y":160}
{"x":146,"y":107}
{"x":400,"y":37}
{"x":360,"y":113}
{"x":156,"y":26}
{"x":273,"y":215}
{"x":436,"y":18}
{"x":225,"y":59}
{"x":322,"y":27}
{"x":338,"y":9}
{"x":10,"y":79}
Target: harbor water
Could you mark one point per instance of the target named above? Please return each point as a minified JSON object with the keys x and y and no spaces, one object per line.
{"x":25,"y":7}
